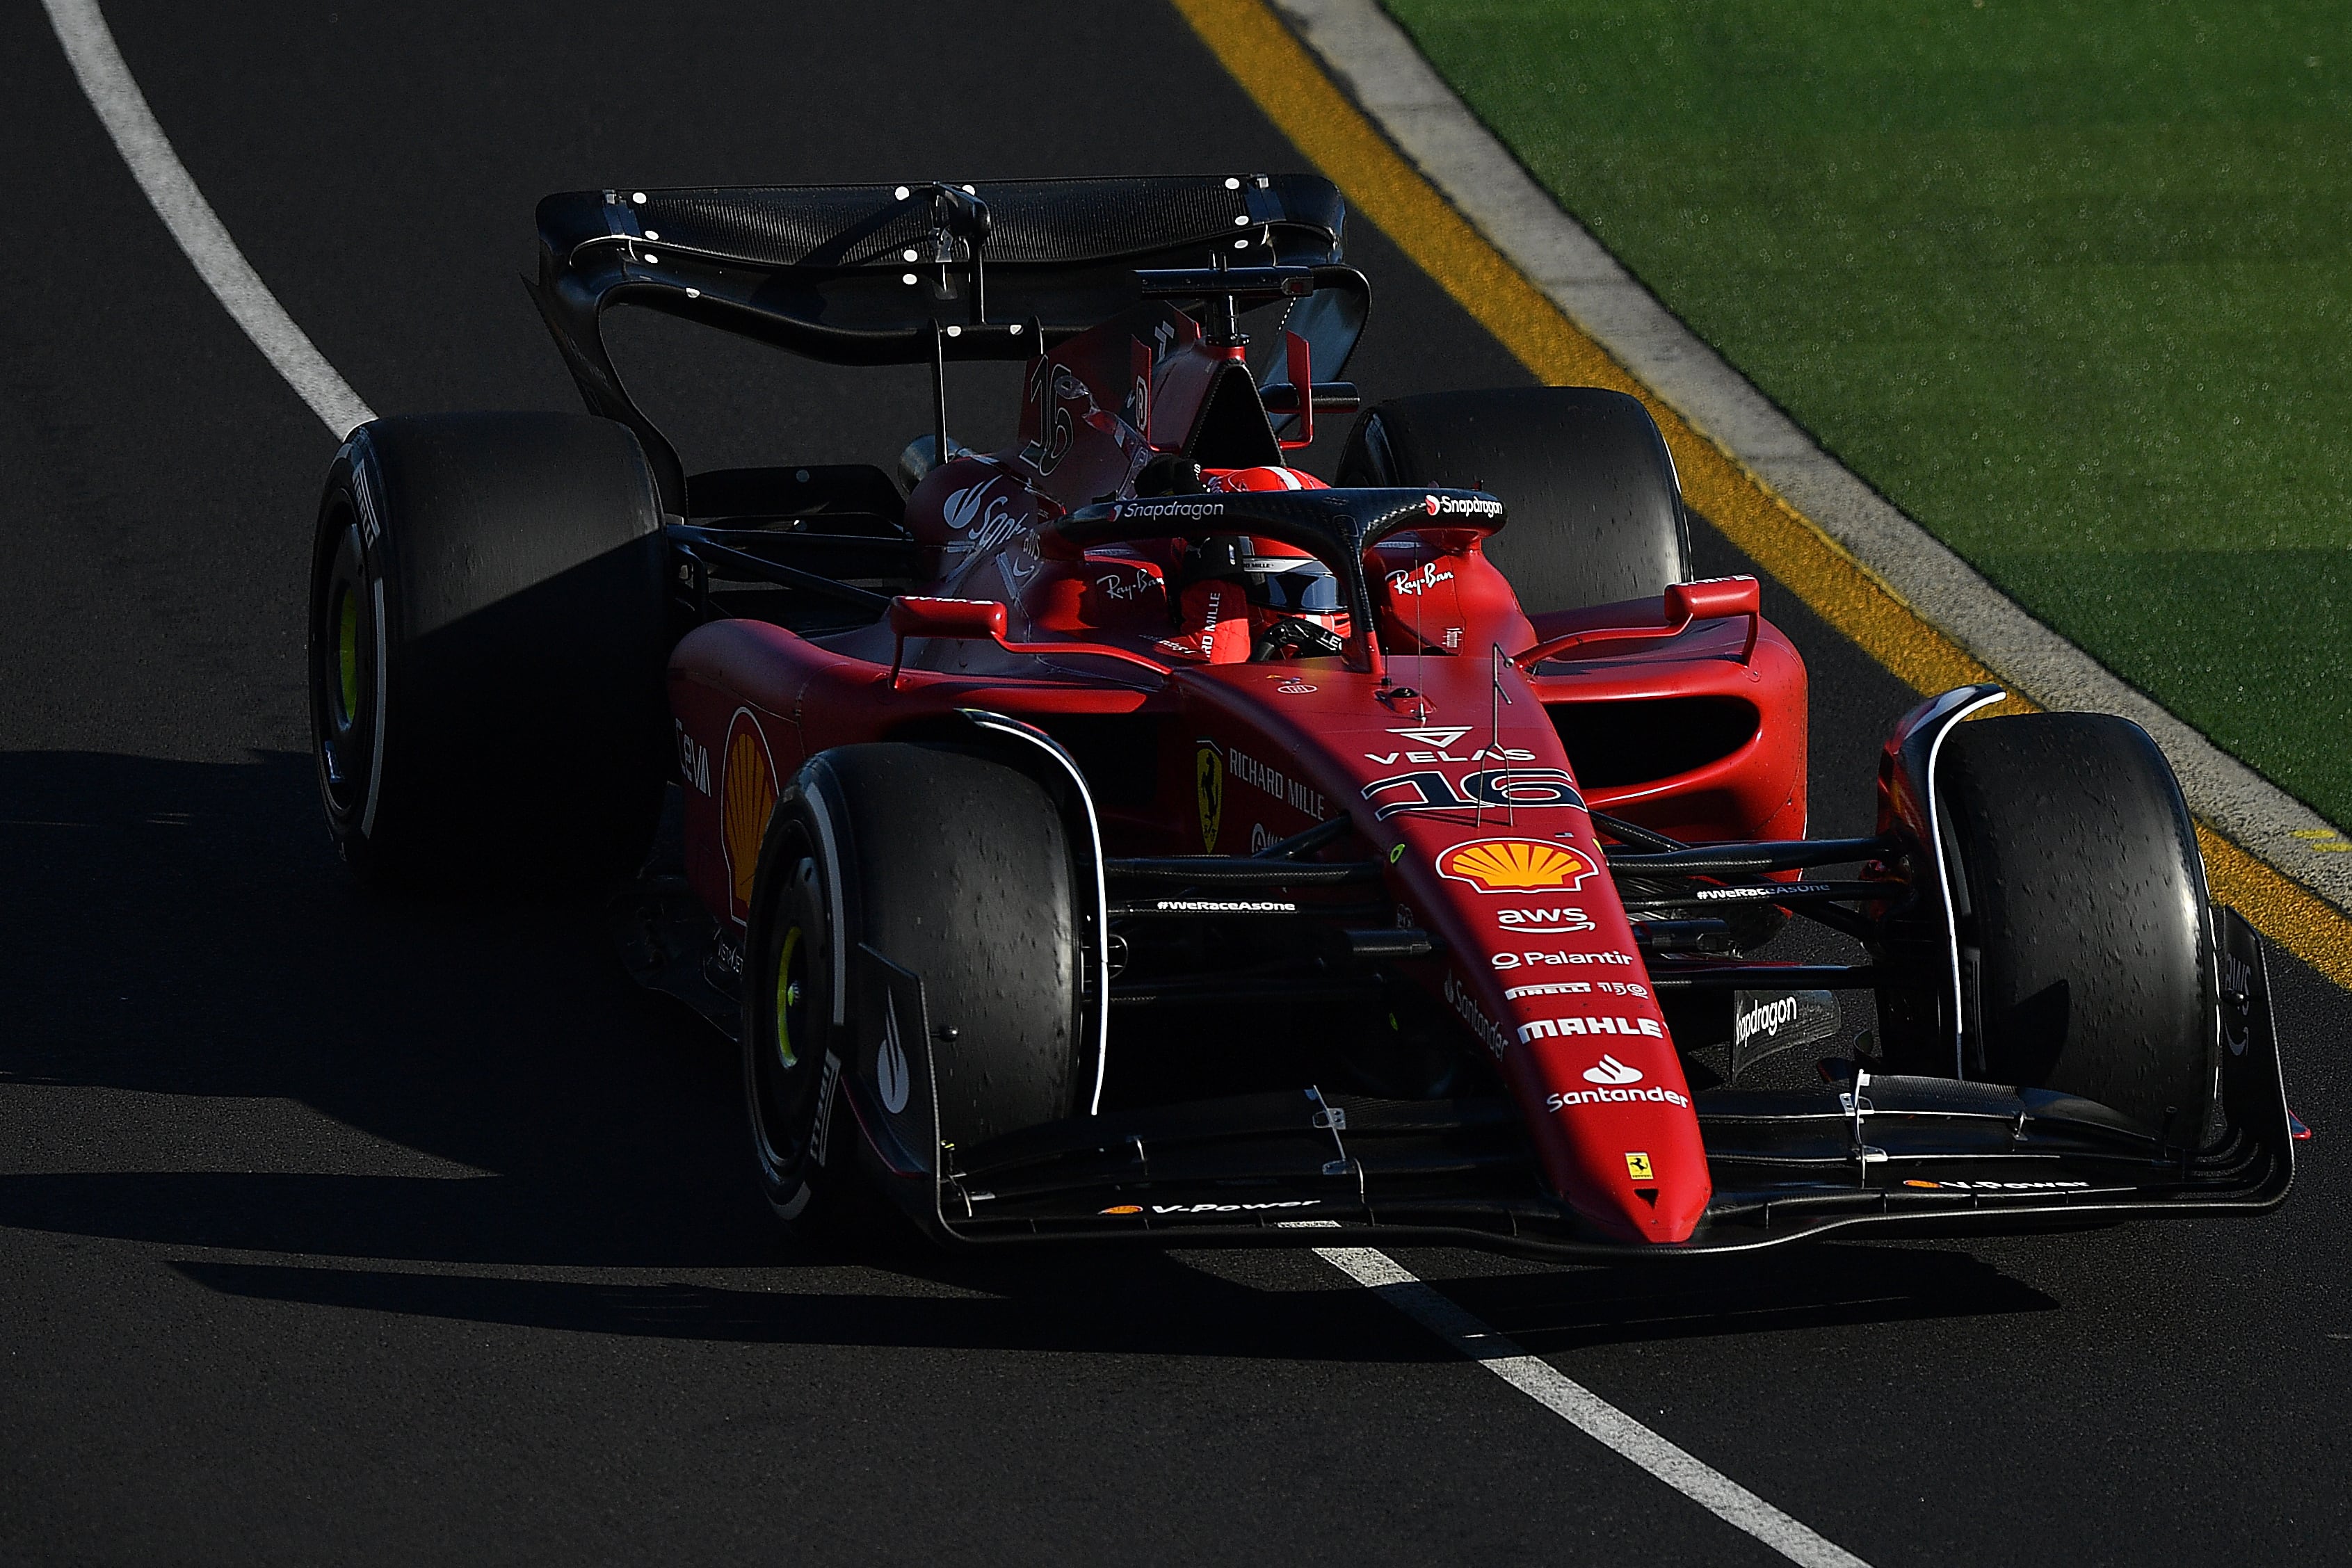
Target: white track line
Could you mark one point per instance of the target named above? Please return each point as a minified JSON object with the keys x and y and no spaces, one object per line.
{"x":1585,"y":1410}
{"x":122,"y":109}
{"x":1377,"y":65}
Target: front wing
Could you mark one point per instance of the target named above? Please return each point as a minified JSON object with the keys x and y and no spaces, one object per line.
{"x":1909,"y":1156}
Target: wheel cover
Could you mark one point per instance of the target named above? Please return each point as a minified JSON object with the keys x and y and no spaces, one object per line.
{"x":790,"y":987}
{"x":347,"y":654}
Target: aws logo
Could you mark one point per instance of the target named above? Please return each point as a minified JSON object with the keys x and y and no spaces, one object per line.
{"x":1558,"y":917}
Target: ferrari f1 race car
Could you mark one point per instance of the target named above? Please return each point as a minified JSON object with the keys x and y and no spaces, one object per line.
{"x":1126,"y":834}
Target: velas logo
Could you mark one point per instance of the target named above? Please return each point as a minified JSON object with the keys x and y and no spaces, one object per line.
{"x":747,"y":794}
{"x":1608,"y":1070}
{"x":1439,"y":736}
{"x":1515,"y":865}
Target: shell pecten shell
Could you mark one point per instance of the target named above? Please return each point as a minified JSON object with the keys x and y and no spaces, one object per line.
{"x":1515,"y":865}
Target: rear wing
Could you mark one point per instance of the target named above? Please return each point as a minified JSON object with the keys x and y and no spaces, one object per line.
{"x":915,"y":274}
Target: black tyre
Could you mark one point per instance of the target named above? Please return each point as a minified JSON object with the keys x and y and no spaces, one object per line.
{"x":952,"y":865}
{"x":1595,"y":512}
{"x":2086,"y":945}
{"x":489,"y":625}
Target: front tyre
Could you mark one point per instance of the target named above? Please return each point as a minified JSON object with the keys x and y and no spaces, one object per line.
{"x":952,"y":865}
{"x":2086,"y":942}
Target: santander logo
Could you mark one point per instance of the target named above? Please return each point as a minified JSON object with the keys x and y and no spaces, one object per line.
{"x":1612,"y":1071}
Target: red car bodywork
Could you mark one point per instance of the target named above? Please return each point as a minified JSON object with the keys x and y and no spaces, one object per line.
{"x":1460,"y":767}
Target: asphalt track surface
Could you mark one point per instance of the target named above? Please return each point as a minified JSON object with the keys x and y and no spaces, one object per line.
{"x":335,"y":1229}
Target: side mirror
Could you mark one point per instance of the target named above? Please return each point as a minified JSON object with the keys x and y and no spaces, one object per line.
{"x":1712,"y":599}
{"x":971,"y":620}
{"x":1682,"y":603}
{"x":1717,"y":599}
{"x":981,"y":618}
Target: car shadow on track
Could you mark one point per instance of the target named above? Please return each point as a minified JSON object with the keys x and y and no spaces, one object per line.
{"x":1799,"y":1287}
{"x":1133,"y":1303}
{"x":183,"y":930}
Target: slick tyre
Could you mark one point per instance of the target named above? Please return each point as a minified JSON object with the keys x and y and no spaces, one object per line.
{"x":2087,"y":943}
{"x":950,"y":864}
{"x":1595,"y":514}
{"x":488,"y":631}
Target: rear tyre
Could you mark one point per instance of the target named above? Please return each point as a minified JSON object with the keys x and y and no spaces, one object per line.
{"x":1595,"y":515}
{"x":2087,"y":943}
{"x":950,"y":864}
{"x":489,"y":625}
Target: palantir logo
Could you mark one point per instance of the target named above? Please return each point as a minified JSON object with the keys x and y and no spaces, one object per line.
{"x":1611,"y":1070}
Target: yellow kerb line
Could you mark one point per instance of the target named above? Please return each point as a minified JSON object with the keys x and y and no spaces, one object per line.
{"x":1279,"y":73}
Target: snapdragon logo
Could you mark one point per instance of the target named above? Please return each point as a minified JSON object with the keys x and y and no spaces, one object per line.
{"x":1768,"y":1017}
{"x":1462,"y":506}
{"x":1188,"y":509}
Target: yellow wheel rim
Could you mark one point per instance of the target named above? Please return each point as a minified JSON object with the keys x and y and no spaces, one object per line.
{"x":347,"y":654}
{"x":788,"y":998}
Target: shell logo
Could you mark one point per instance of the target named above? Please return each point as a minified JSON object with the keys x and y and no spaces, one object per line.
{"x":747,"y":794}
{"x":1515,"y":865}
{"x":1124,"y":1208}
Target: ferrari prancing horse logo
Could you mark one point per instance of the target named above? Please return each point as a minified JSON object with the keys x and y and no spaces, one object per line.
{"x":1208,"y":786}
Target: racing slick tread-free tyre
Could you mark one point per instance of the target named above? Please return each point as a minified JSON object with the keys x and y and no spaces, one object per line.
{"x":2086,"y":942}
{"x":488,"y":628}
{"x":1594,"y":511}
{"x":950,"y":864}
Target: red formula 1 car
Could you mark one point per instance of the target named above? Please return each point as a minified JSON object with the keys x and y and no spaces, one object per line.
{"x":1127,"y":835}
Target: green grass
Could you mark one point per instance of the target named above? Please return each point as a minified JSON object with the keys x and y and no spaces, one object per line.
{"x":2071,"y":283}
